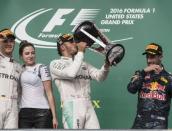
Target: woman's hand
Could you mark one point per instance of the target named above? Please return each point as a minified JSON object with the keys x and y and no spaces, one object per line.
{"x":55,"y":123}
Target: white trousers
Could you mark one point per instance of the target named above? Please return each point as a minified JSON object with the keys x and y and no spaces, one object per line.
{"x":8,"y":114}
{"x":79,"y":114}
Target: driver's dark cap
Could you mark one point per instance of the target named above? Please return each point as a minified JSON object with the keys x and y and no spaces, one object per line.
{"x":153,"y":49}
{"x":65,"y":38}
{"x":7,"y":34}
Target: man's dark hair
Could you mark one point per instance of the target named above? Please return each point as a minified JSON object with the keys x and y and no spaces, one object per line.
{"x":58,"y":49}
{"x":63,"y":38}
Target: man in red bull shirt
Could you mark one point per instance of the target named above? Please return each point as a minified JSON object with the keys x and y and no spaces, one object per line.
{"x":154,"y":87}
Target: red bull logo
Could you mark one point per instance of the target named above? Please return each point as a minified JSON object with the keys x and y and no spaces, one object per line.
{"x":154,"y":86}
{"x":153,"y":95}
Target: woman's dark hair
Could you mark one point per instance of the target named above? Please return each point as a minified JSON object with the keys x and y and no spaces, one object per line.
{"x":24,"y":44}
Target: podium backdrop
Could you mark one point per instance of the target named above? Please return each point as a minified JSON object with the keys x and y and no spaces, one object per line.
{"x":133,"y":23}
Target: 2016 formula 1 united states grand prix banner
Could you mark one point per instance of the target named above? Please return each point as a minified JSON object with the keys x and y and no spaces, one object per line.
{"x":131,"y":23}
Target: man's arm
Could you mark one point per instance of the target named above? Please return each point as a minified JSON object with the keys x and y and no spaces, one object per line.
{"x":60,"y":72}
{"x":138,"y":78}
{"x":170,"y":85}
{"x":99,"y":74}
{"x":136,"y":81}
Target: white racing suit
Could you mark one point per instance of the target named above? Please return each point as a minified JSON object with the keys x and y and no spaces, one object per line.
{"x":72,"y":77}
{"x":9,"y":78}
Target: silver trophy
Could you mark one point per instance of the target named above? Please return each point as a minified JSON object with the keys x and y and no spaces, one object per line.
{"x":89,"y":33}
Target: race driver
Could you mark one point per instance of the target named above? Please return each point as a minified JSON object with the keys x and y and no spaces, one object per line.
{"x":154,"y":87}
{"x":9,"y":76}
{"x":72,"y":77}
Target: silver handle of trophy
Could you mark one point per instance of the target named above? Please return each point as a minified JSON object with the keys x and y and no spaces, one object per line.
{"x":93,"y":38}
{"x":102,"y":36}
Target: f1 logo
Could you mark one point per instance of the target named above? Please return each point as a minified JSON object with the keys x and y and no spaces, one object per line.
{"x":58,"y":19}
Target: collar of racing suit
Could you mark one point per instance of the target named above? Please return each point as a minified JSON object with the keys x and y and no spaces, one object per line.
{"x":66,"y":58}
